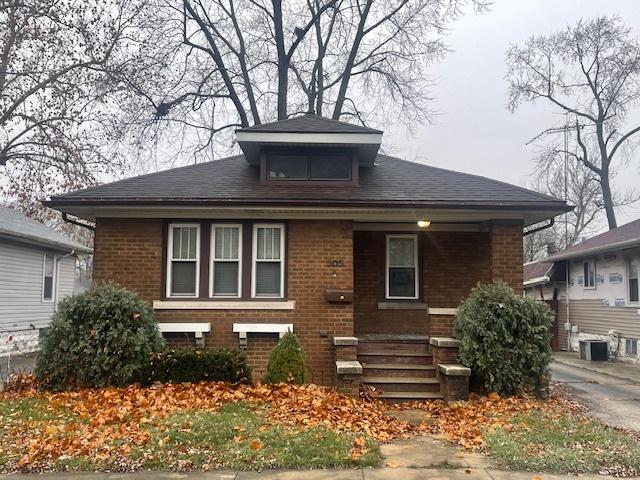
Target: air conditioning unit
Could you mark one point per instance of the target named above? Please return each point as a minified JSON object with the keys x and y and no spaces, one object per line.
{"x":594,"y":350}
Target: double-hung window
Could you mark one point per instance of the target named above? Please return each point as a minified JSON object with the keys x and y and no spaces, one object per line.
{"x":48,"y":277}
{"x":268,"y":261}
{"x":634,"y":275}
{"x":183,"y":262}
{"x":226,"y":260}
{"x":589,"y":268}
{"x":402,"y":267}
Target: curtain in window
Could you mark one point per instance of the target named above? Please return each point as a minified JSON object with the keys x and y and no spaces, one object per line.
{"x":402,"y":271}
{"x":268,"y":262}
{"x":184,"y":260}
{"x":226,"y":261}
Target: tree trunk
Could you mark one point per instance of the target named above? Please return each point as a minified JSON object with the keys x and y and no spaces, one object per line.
{"x":283,"y":61}
{"x":607,"y":199}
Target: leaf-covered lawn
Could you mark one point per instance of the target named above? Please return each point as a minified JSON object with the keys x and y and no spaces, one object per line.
{"x":212,"y":425}
{"x":563,"y":444}
{"x":191,"y":426}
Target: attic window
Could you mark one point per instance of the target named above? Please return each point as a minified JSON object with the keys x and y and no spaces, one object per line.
{"x":319,"y":167}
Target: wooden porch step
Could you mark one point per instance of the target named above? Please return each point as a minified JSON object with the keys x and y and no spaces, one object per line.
{"x":409,"y":396}
{"x":398,"y":370}
{"x":397,"y":353}
{"x":397,"y":366}
{"x":404,"y":380}
{"x":395,"y":358}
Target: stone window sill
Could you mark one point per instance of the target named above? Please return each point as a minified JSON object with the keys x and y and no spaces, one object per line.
{"x":223,"y":305}
{"x":402,"y":306}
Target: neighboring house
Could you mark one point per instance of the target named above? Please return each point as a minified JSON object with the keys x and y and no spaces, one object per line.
{"x":602,"y":285}
{"x":544,"y":280}
{"x":311,"y":229}
{"x":37,"y":268}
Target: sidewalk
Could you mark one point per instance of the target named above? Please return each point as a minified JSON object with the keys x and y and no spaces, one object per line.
{"x":624,"y":371}
{"x":360,"y":474}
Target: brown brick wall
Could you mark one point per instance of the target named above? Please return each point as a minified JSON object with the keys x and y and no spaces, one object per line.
{"x":129,"y":252}
{"x":311,"y":244}
{"x":453,"y":263}
{"x":507,"y":254}
{"x":369,"y":272}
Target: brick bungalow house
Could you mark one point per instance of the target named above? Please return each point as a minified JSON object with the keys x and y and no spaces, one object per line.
{"x":312,"y":229}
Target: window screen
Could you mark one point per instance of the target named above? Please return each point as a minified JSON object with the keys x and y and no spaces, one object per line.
{"x":268,"y":248}
{"x":183,"y":261}
{"x":631,"y":347}
{"x":226,"y":260}
{"x":401,"y":266}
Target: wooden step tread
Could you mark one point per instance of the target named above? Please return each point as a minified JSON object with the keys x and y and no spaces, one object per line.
{"x":394,"y":353}
{"x":410,"y":395}
{"x":396,"y":380}
{"x":396,"y":366}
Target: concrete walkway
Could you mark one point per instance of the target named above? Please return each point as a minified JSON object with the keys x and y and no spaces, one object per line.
{"x":359,"y":474}
{"x":611,"y":390}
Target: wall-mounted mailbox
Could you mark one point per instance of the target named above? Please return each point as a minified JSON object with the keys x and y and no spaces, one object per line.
{"x":335,"y":295}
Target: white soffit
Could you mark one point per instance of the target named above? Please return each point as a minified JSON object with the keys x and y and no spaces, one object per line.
{"x":309,"y":138}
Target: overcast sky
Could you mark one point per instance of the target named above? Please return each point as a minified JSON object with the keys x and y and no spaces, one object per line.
{"x":475,"y":133}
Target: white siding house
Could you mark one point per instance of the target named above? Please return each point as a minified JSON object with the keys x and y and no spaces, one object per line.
{"x":37,"y":268}
{"x":599,"y":298}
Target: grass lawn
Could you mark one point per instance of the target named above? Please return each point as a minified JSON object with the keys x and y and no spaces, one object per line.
{"x":542,"y":442}
{"x":172,"y":428}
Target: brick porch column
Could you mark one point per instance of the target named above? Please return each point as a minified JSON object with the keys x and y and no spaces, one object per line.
{"x":507,"y":253}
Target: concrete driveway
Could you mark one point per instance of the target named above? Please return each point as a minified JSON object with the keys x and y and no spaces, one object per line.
{"x":611,"y":391}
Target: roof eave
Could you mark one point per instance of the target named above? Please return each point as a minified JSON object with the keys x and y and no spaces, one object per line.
{"x":536,"y":281}
{"x":595,"y":250}
{"x":36,"y":241}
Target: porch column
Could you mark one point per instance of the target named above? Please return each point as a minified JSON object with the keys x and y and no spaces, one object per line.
{"x":507,"y":253}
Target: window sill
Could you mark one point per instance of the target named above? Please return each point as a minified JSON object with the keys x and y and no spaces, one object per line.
{"x":223,"y":305}
{"x":402,"y":305}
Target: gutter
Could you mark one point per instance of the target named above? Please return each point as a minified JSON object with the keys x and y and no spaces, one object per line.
{"x":589,"y":251}
{"x":536,"y":281}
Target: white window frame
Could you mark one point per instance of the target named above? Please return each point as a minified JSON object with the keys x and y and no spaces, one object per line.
{"x":213,"y":259}
{"x":170,"y":259}
{"x":254,"y":257}
{"x":628,"y":259}
{"x":586,"y":277}
{"x":54,"y":279}
{"x":626,"y":352}
{"x":413,"y":237}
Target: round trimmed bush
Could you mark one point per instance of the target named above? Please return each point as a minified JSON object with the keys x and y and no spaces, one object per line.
{"x":286,"y":362}
{"x":504,"y":339}
{"x":102,"y":337}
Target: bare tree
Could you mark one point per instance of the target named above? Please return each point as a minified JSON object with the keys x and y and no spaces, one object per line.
{"x":591,"y":71}
{"x":245,"y":62}
{"x":582,"y":191}
{"x":55,"y":64}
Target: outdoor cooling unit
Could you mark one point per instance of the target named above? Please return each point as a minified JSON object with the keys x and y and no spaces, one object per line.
{"x":594,"y":350}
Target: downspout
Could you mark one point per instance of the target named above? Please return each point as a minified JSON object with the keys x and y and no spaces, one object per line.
{"x":57,"y":273}
{"x":539,"y":229}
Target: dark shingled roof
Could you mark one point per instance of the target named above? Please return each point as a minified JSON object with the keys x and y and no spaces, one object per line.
{"x":536,"y":270}
{"x":391,"y":182}
{"x":309,"y":123}
{"x":626,"y":235}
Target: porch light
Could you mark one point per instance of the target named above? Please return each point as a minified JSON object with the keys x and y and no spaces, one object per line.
{"x":423,"y":223}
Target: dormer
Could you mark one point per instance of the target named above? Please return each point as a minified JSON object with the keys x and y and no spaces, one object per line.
{"x":309,"y":150}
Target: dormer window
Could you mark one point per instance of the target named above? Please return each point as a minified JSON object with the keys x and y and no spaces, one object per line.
{"x":300,"y":166}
